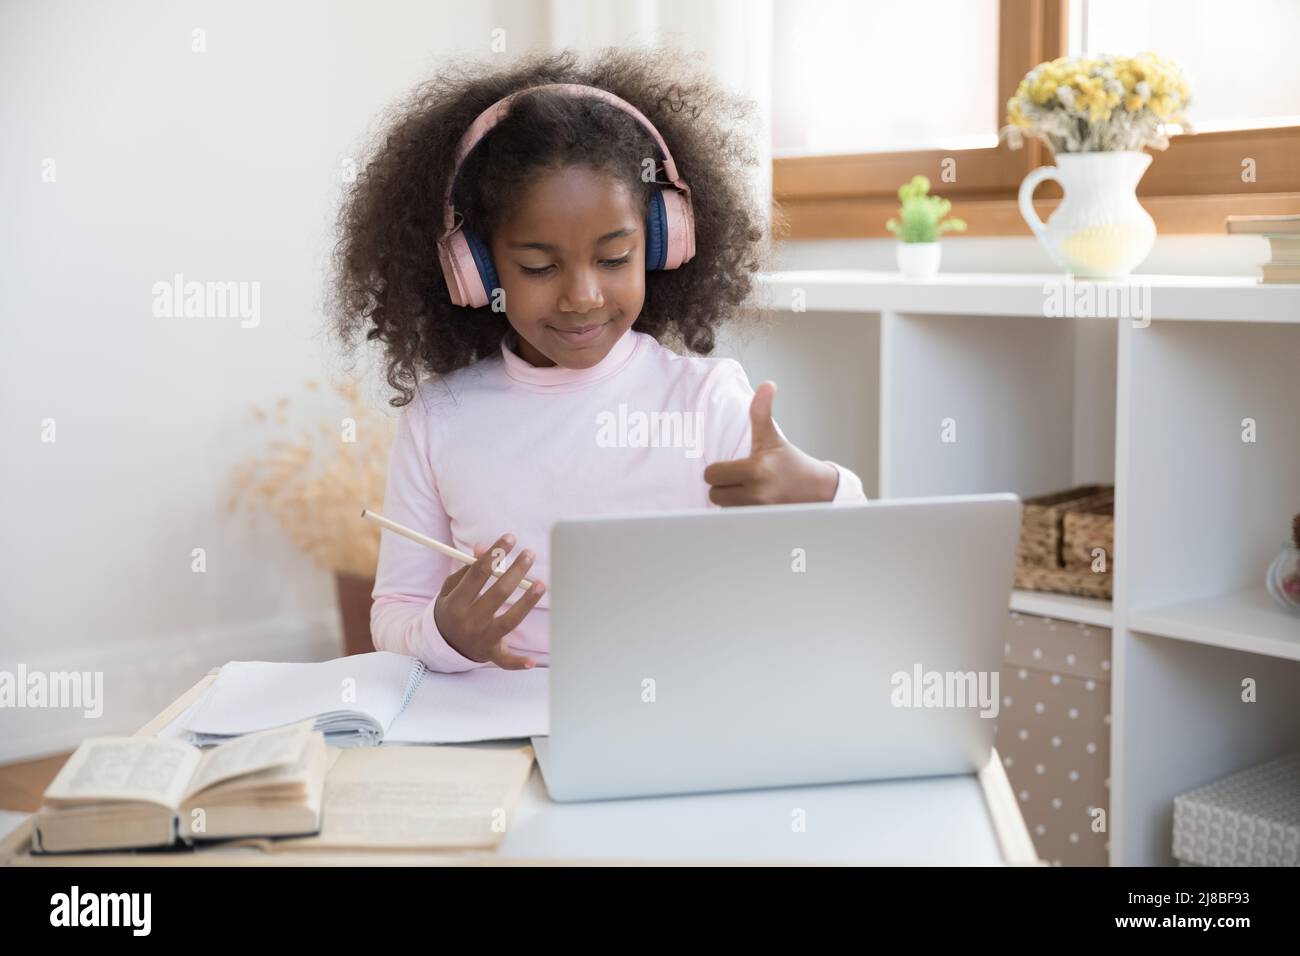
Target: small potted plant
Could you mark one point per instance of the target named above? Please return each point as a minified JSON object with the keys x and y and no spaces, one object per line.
{"x":920,"y":223}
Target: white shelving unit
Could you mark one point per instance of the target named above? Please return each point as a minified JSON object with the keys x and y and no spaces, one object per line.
{"x":1064,"y":607}
{"x":1041,"y":403}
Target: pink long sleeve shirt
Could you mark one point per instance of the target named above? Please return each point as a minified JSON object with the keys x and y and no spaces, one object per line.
{"x":504,"y":446}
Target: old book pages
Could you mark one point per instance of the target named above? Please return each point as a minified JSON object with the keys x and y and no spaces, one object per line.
{"x":417,"y":798}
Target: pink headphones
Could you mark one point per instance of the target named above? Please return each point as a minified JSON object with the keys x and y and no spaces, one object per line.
{"x":467,"y":261}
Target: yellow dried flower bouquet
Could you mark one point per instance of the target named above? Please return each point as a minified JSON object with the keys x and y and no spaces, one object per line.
{"x":1097,"y":114}
{"x":316,"y":485}
{"x":1099,"y":103}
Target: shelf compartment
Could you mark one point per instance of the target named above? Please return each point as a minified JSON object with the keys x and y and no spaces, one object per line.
{"x":1063,"y":607}
{"x":1247,"y":620}
{"x":974,"y":404}
{"x":1203,"y":509}
{"x":1185,"y":298}
{"x":1178,"y":722}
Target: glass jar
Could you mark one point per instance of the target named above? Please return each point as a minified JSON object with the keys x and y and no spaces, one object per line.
{"x":1284,"y":578}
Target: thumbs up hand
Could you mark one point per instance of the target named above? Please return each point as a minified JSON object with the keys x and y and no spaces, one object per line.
{"x":776,"y":472}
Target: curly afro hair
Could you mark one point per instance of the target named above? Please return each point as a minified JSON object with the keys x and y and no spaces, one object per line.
{"x":387,"y":281}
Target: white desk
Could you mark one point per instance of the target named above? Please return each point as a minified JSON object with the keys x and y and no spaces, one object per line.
{"x":936,"y":821}
{"x":962,"y":820}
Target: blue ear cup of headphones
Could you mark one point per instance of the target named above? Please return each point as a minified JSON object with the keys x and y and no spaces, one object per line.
{"x":656,"y":244}
{"x":656,"y":232}
{"x":483,"y":261}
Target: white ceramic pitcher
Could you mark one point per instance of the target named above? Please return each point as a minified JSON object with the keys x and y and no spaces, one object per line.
{"x":1099,"y":229}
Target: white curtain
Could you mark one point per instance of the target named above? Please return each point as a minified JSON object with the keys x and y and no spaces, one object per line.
{"x":734,"y":38}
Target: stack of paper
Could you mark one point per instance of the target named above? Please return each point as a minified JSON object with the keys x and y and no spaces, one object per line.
{"x":371,"y":698}
{"x":353,"y":699}
{"x":483,"y":704}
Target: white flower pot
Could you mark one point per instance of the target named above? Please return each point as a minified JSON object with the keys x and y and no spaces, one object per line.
{"x":918,"y":260}
{"x":1100,"y":229}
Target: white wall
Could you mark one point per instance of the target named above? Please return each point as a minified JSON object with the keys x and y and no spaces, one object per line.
{"x":223,"y":166}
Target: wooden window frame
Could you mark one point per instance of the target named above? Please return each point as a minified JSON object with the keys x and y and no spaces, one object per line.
{"x":1188,"y":188}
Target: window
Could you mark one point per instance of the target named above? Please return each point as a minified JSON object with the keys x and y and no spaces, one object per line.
{"x":838,"y":165}
{"x":899,"y":93}
{"x":1239,"y":58}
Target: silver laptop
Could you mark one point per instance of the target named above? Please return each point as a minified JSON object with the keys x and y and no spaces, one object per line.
{"x":698,"y":651}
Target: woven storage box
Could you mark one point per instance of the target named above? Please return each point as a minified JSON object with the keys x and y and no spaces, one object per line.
{"x":1041,"y":527}
{"x":1251,"y":818}
{"x":1087,"y":526}
{"x":1041,"y":559}
{"x":1083,"y":582}
{"x":1053,"y":734}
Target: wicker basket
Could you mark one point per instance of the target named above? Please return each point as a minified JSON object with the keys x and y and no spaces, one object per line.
{"x":1083,"y":582}
{"x":1087,"y":528}
{"x":1052,"y":558}
{"x":1041,"y":525}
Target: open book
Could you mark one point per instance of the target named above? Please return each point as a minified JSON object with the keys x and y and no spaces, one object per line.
{"x":416,"y":799}
{"x":117,"y":792}
{"x":373,"y":698}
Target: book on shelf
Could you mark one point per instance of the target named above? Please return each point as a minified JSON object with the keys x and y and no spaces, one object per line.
{"x":1263,"y":225}
{"x":141,"y":792}
{"x":1283,"y":235}
{"x":1285,"y":249}
{"x":1280,"y":272}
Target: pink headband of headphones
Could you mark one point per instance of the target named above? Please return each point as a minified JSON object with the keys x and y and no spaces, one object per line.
{"x":458,"y":262}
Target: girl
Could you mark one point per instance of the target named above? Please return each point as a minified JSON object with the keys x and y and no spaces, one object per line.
{"x":522,"y":244}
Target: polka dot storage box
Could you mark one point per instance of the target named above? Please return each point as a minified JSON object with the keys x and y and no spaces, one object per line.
{"x":1251,"y":818}
{"x":1053,"y":735}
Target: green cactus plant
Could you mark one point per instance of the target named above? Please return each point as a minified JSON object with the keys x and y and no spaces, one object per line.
{"x":922,"y":215}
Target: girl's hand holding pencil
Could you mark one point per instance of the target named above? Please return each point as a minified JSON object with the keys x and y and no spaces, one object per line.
{"x":468,"y":619}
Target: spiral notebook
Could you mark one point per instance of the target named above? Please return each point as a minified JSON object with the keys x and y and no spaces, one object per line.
{"x":369,"y":699}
